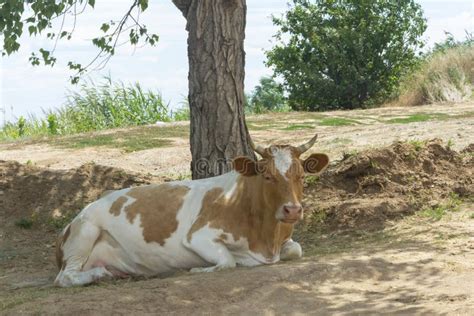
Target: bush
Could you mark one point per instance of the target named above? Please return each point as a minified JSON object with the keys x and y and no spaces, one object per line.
{"x":346,"y":53}
{"x":267,"y":96}
{"x":446,"y":74}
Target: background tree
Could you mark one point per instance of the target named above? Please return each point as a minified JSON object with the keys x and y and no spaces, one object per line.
{"x":346,"y":53}
{"x":216,"y":63}
{"x":267,"y":96}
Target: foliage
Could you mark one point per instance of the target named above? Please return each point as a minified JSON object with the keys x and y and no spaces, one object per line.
{"x":21,"y":126}
{"x":52,"y":124}
{"x":110,"y":105}
{"x":95,"y":107}
{"x":267,"y":96}
{"x":347,"y":53}
{"x":40,"y":16}
{"x":450,"y":42}
{"x":182,"y":113}
{"x":446,"y":74}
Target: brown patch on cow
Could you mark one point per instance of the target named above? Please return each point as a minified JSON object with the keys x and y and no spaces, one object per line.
{"x":157,"y":206}
{"x":60,"y":241}
{"x":251,"y":212}
{"x":116,"y":207}
{"x":246,"y":214}
{"x":222,"y":238}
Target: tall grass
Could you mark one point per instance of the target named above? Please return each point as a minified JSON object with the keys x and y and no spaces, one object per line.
{"x":95,"y":107}
{"x":109,"y":105}
{"x":446,"y":75}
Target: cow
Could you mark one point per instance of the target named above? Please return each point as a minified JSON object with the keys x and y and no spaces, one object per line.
{"x":244,"y":217}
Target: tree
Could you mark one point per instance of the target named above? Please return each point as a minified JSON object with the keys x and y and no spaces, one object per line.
{"x":345,"y":53}
{"x":216,"y":31}
{"x":216,"y":64}
{"x":267,"y":96}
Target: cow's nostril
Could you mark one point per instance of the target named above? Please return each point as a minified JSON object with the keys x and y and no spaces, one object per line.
{"x":287,"y":211}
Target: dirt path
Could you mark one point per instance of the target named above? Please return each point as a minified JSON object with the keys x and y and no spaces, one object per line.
{"x":453,"y":123}
{"x":366,"y":250}
{"x":422,"y":269}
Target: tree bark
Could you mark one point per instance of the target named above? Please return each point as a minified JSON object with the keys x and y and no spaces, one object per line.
{"x":216,"y":32}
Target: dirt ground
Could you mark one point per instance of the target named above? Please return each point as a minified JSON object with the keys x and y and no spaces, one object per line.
{"x":388,"y":229}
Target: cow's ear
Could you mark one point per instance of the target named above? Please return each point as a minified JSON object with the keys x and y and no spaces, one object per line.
{"x":315,"y":163}
{"x":245,"y":166}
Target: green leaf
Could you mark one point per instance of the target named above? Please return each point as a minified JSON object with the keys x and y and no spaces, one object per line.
{"x":143,"y":4}
{"x":91,"y":3}
{"x":105,"y":27}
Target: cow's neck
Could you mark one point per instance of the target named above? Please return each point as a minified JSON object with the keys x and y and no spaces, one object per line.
{"x":266,"y":233}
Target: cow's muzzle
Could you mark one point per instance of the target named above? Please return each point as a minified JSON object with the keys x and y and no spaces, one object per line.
{"x":292,"y":213}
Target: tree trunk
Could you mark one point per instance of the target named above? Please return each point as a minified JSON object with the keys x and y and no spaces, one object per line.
{"x":216,"y":31}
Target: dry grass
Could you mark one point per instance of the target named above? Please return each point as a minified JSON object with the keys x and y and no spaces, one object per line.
{"x":446,"y":76}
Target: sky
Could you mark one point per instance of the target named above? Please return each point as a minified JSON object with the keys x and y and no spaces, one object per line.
{"x":25,"y":89}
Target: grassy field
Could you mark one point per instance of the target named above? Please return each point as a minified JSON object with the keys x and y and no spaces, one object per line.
{"x":152,"y":136}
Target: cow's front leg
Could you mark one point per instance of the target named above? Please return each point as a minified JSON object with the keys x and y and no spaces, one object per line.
{"x":212,"y":251}
{"x":291,"y":250}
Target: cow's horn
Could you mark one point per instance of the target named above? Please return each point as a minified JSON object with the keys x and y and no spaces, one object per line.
{"x":308,"y":145}
{"x":258,"y":149}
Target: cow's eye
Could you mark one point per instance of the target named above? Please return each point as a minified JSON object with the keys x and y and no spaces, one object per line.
{"x":268,"y":177}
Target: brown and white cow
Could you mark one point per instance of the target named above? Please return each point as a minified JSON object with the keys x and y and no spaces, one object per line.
{"x":244,"y":217}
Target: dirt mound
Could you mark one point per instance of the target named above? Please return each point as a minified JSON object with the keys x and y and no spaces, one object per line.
{"x":40,"y":195}
{"x":361,"y":191}
{"x":367,"y":189}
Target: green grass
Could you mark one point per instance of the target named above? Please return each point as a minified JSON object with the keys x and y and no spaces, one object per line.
{"x":349,"y":154}
{"x":418,"y":117}
{"x":24,"y":223}
{"x":436,"y":213}
{"x":262,"y":127}
{"x":293,"y":127}
{"x":129,"y":140}
{"x":418,"y":145}
{"x":342,"y":140}
{"x":311,"y":179}
{"x":337,"y":121}
{"x":129,"y":144}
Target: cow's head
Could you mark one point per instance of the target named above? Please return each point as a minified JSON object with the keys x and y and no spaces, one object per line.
{"x":281,"y":174}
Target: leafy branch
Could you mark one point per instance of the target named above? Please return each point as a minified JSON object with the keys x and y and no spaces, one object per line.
{"x":39,"y":21}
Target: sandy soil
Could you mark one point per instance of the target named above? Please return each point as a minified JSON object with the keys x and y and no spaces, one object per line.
{"x":419,"y":268}
{"x":367,"y":250}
